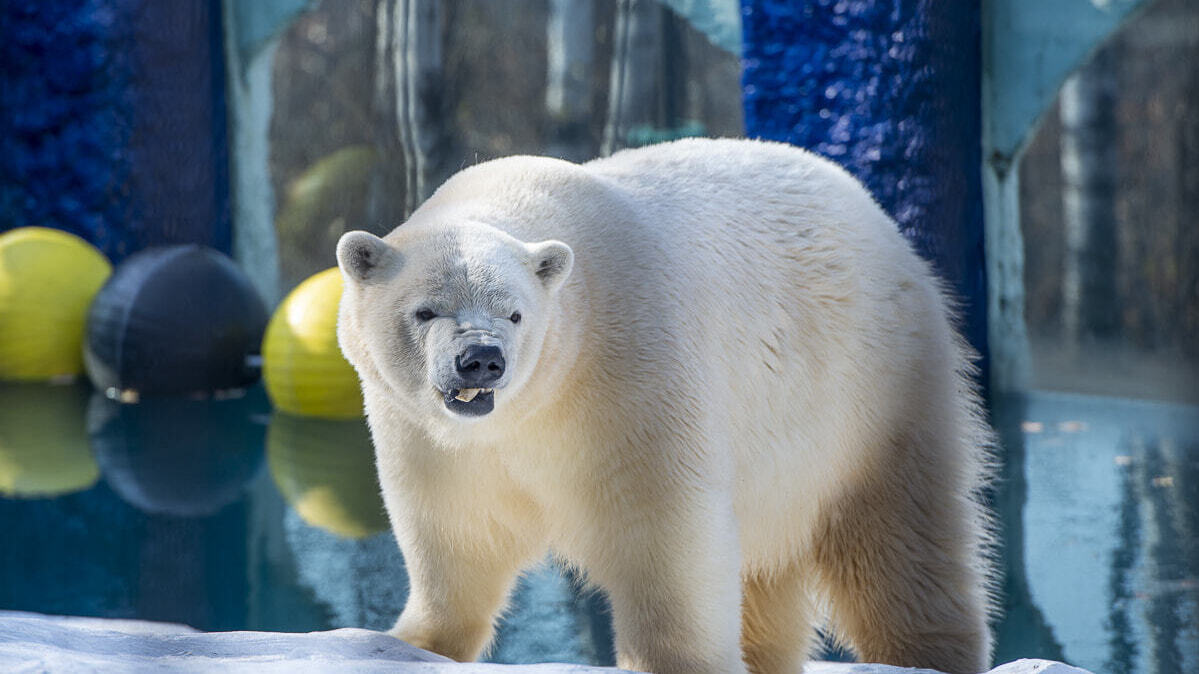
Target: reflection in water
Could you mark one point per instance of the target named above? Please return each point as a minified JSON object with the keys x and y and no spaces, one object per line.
{"x":1099,"y":504}
{"x":186,"y":528}
{"x":326,"y":471}
{"x":1109,"y":530}
{"x":1022,"y":631}
{"x":1123,"y":655}
{"x":93,"y":553}
{"x":75,"y":554}
{"x":177,"y":456}
{"x":358,"y":582}
{"x":552,"y":620}
{"x":43,"y":443}
{"x":182,"y":464}
{"x":1171,"y":612}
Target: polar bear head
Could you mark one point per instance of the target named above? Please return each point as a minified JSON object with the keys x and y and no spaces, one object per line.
{"x":449,"y":320}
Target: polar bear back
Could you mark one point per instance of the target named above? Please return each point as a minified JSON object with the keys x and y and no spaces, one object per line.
{"x":833,"y":334}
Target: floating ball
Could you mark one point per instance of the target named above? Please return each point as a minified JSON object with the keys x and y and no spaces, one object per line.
{"x":47,"y":280}
{"x":326,"y":471}
{"x":176,"y":319}
{"x":43,"y":441}
{"x":302,"y":365}
{"x":175,"y":456}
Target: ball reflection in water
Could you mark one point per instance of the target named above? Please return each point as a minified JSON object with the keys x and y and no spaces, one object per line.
{"x":326,"y":471}
{"x":43,"y":442}
{"x":178,"y":456}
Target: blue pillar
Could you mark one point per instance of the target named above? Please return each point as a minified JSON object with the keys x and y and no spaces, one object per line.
{"x":112,"y":115}
{"x":889,"y":89}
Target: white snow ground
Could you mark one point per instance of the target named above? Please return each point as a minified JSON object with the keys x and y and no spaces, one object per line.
{"x":31,"y":642}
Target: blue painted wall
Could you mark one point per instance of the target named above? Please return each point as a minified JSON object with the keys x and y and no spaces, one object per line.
{"x":112,"y":115}
{"x":890,"y":89}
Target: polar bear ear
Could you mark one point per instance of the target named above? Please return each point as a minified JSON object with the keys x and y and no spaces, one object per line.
{"x":365,"y":257}
{"x":552,"y":262}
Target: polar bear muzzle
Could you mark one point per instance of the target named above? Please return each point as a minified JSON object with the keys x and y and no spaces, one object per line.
{"x":478,"y":368}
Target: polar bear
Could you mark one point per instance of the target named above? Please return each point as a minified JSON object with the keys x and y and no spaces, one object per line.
{"x":711,"y":374}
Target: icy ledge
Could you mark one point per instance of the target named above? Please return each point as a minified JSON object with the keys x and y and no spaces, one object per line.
{"x":35,"y":643}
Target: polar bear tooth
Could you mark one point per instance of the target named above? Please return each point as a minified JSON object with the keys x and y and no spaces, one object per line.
{"x":467,"y":394}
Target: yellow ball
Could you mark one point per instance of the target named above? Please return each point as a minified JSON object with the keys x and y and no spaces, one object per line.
{"x":44,"y":447}
{"x":302,"y":365}
{"x":47,"y":280}
{"x":326,"y":471}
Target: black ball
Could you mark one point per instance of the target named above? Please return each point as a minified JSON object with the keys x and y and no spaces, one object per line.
{"x":174,"y":319}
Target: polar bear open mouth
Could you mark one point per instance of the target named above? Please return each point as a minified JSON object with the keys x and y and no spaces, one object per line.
{"x":471,"y":402}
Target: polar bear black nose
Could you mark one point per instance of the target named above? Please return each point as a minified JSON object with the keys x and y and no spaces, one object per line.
{"x":480,"y":365}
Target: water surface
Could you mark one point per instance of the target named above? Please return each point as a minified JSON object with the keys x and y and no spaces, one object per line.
{"x":225,"y":516}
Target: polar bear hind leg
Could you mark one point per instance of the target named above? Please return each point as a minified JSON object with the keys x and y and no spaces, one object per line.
{"x":899,"y":562}
{"x":777,"y":633}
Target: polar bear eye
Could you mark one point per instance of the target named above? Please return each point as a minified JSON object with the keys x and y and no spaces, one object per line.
{"x":515,"y":317}
{"x":425,"y":315}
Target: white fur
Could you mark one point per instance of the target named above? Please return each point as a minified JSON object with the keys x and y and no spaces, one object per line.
{"x":745,"y":407}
